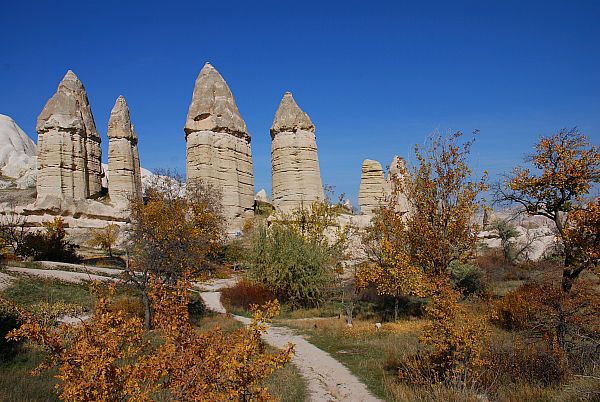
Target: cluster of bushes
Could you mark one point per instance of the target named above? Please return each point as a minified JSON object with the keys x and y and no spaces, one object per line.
{"x":48,"y":244}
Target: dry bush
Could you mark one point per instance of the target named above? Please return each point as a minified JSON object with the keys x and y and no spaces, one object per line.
{"x":111,"y":358}
{"x":246,"y":293}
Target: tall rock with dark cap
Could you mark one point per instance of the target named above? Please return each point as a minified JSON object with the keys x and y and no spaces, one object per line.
{"x":125,"y":182}
{"x":295,"y":164}
{"x":218,"y":146}
{"x":372,"y":189}
{"x":69,"y":153}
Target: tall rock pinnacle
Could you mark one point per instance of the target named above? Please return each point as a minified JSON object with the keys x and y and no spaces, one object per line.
{"x":372,"y":189}
{"x":218,"y":146}
{"x":295,"y":164}
{"x":69,"y":152}
{"x":124,"y":177}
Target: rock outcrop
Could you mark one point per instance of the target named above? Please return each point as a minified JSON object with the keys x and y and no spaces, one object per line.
{"x":396,"y":173}
{"x":68,"y":144}
{"x":17,"y":154}
{"x":123,"y":158}
{"x":372,"y":187}
{"x":218,"y":146}
{"x":262,"y":196}
{"x":295,"y":164}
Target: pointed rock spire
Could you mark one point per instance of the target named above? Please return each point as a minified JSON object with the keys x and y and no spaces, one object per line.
{"x":218,"y":146}
{"x":296,"y":179}
{"x":213,"y":107}
{"x":119,"y":124}
{"x":69,"y":150}
{"x":123,"y":159}
{"x":290,"y":118}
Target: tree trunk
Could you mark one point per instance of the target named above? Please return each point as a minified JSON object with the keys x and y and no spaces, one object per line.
{"x":147,"y":310}
{"x":396,"y":309}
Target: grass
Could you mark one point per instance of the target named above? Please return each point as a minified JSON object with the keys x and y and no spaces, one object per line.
{"x":28,"y":291}
{"x":362,"y":348}
{"x":17,"y":384}
{"x":287,"y":385}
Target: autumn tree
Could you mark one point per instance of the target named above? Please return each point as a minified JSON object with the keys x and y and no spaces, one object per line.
{"x":110,"y":358}
{"x":564,"y":168}
{"x":416,"y":248}
{"x":105,"y":238}
{"x":174,"y":230}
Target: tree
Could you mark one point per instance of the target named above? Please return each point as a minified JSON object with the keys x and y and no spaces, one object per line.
{"x":110,"y":358}
{"x":415,"y":250}
{"x":298,"y":256}
{"x":105,"y":238}
{"x":13,"y":227}
{"x":565,"y":168}
{"x":175,"y":230}
{"x":50,"y":244}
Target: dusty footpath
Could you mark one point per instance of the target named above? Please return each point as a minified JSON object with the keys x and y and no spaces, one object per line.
{"x":328,"y":379}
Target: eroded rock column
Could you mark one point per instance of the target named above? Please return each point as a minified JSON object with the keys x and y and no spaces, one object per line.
{"x":372,"y":189}
{"x":296,"y":176}
{"x":218,"y":146}
{"x":125,"y":182}
{"x":69,"y":151}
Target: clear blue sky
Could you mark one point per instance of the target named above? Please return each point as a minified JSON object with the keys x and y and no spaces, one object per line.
{"x":375,"y":77}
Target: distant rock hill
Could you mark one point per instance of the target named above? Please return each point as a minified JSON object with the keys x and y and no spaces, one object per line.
{"x":17,"y":155}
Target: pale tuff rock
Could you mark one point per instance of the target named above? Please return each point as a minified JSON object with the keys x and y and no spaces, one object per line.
{"x":372,"y":187}
{"x":17,"y":154}
{"x":68,"y":144}
{"x":396,"y":173}
{"x":123,"y":159}
{"x":295,"y":164}
{"x":218,"y":146}
{"x":261,"y":196}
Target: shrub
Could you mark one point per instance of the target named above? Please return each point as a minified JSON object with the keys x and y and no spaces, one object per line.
{"x":467,"y":278}
{"x":50,"y":244}
{"x":245,"y":293}
{"x":294,"y":268}
{"x":9,"y":320}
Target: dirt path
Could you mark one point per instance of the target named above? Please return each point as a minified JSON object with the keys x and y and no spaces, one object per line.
{"x":65,"y":276}
{"x":328,"y":380}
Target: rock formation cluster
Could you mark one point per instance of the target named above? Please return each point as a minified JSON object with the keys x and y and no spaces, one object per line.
{"x":375,"y":187}
{"x":296,"y":176}
{"x":218,"y":146}
{"x":372,"y":188}
{"x":123,"y":157}
{"x":69,"y":151}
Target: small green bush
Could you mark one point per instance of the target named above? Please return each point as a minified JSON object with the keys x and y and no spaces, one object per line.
{"x":467,"y":278}
{"x":296,"y":269}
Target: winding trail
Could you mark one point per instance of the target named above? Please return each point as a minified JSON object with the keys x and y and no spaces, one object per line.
{"x":328,"y":380}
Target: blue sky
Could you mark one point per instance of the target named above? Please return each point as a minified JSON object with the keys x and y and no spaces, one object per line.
{"x":375,"y":77}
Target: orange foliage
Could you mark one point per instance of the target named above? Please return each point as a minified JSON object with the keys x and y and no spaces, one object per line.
{"x":109,"y":357}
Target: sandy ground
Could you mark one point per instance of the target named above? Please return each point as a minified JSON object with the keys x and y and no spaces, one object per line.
{"x":328,"y":380}
{"x":80,"y":267}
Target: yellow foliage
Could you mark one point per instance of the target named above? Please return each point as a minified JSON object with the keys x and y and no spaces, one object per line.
{"x":109,"y":357}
